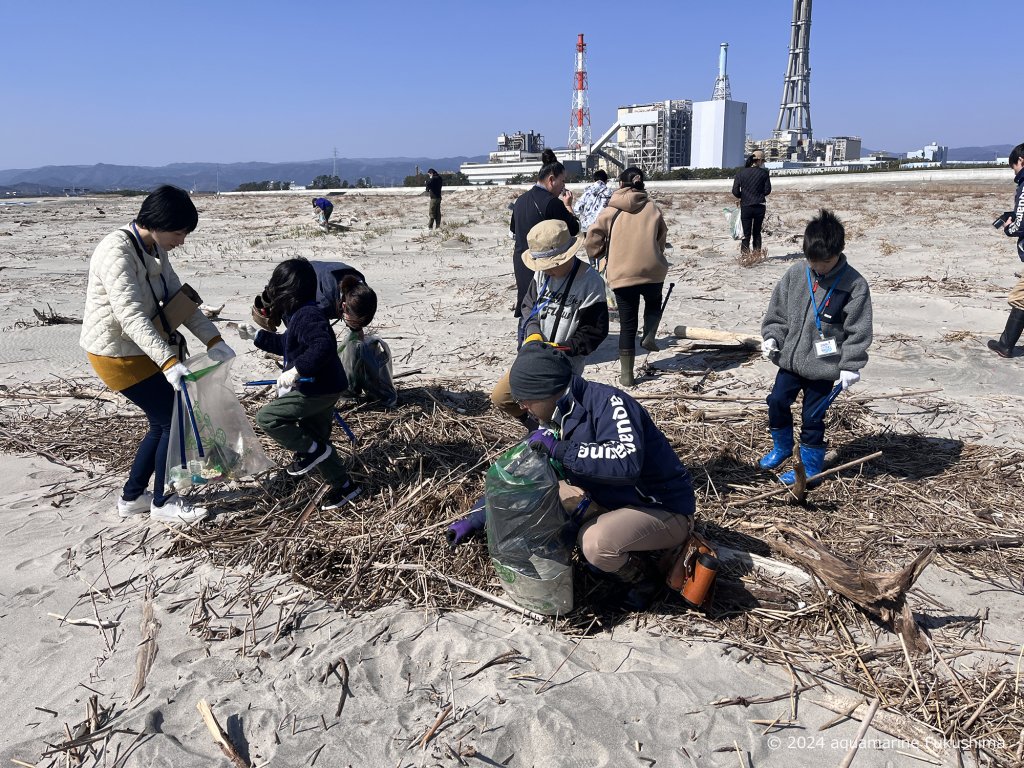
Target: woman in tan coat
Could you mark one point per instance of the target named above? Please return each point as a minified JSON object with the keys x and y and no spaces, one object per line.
{"x":630,"y":233}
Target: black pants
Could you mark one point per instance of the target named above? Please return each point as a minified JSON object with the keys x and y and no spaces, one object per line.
{"x":435,"y":213}
{"x":787,"y":386}
{"x":752,"y":217}
{"x":523,"y":277}
{"x":156,"y":399}
{"x":628,"y":300}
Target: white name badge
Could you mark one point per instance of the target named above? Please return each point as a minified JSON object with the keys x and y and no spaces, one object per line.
{"x":826,"y":348}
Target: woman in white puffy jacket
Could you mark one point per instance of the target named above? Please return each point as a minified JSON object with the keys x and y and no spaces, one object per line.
{"x":130,"y":278}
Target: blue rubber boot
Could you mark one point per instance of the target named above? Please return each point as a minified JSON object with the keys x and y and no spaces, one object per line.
{"x":783,"y":439}
{"x":813,"y":458}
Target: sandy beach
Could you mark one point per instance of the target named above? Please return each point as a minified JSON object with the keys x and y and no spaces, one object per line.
{"x":661,"y":688}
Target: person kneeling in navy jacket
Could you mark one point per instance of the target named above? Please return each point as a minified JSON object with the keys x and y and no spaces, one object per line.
{"x":640,"y":494}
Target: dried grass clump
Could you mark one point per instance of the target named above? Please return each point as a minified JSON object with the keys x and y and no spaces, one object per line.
{"x":421,"y":465}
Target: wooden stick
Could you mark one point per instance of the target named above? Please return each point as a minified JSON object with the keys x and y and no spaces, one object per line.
{"x":462,"y":585}
{"x":147,"y":648}
{"x":864,"y":725}
{"x":343,"y":677}
{"x":826,"y":473}
{"x":437,"y":724}
{"x":981,"y":707}
{"x":100,"y":625}
{"x":219,"y":736}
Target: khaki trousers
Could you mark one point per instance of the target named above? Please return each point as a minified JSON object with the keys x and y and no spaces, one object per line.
{"x":1016,"y":297}
{"x":501,"y":397}
{"x":608,"y":536}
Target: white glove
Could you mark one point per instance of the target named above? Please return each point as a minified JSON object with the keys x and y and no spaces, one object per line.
{"x":287,"y":381}
{"x":247,"y":331}
{"x":175,"y":374}
{"x":847,"y":379}
{"x":220,"y":352}
{"x":769,"y":347}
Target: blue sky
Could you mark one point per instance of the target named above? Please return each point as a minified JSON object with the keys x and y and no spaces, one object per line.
{"x":146,"y":83}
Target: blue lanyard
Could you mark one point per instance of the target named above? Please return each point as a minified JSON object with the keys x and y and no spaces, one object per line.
{"x":818,"y":308}
{"x":542,"y":299}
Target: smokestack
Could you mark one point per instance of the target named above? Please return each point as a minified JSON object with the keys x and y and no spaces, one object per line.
{"x":722,"y":90}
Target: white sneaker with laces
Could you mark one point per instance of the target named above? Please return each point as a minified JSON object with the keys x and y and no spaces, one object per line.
{"x":137,"y":506}
{"x":174,"y":510}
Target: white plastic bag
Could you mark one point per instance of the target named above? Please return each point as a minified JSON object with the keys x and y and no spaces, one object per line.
{"x":367,"y":364}
{"x":732,"y":215}
{"x":211,"y":437}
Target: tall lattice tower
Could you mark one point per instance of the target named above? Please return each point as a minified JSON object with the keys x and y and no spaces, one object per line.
{"x":795,"y":111}
{"x":579,"y":120}
{"x":722,"y":89}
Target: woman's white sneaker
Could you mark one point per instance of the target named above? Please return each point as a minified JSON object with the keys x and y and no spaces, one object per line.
{"x":174,"y":510}
{"x":137,"y":506}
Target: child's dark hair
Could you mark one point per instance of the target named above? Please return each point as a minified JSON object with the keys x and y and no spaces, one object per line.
{"x":1016,"y":154}
{"x":292,"y":285}
{"x":824,"y":237}
{"x":549,"y":165}
{"x":632,"y":177}
{"x":360,"y":300}
{"x":600,"y":175}
{"x":168,"y":209}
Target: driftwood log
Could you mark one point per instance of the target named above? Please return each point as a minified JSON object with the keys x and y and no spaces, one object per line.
{"x":711,"y":334}
{"x":882,"y":594}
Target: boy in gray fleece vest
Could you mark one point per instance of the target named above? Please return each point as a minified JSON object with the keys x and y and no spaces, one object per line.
{"x":817,"y":330}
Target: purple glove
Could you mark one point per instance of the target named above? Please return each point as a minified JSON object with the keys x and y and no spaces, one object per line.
{"x":543,"y":441}
{"x":460,"y":530}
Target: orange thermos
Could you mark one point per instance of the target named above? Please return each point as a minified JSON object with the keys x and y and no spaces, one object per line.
{"x":692,"y":574}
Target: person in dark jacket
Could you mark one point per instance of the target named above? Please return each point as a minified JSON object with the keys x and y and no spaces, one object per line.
{"x":301,"y":417}
{"x":341,"y":293}
{"x":751,"y":186}
{"x":434,"y":191}
{"x":640,"y":495}
{"x":1013,"y":226}
{"x":322,"y":210}
{"x":547,"y":199}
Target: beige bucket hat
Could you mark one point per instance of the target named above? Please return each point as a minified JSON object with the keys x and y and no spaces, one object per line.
{"x":550,"y":245}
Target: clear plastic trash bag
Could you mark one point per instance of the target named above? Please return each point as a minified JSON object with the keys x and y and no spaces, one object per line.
{"x":732,"y":216}
{"x":227,"y":447}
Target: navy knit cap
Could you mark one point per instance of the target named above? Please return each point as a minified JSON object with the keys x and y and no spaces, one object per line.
{"x":539,"y":372}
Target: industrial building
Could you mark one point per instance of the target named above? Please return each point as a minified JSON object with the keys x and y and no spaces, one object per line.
{"x":518,"y":154}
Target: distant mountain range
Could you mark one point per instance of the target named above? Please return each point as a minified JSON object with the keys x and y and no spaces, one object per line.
{"x":224,"y":177}
{"x":211,"y":177}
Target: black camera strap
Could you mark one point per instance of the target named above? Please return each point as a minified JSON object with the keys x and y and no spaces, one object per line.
{"x":174,"y":338}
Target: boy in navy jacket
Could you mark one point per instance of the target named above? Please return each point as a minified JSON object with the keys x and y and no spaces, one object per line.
{"x":301,"y":417}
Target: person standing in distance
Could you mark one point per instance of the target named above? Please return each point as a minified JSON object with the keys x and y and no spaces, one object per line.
{"x":751,"y":186}
{"x":547,"y":199}
{"x":434,"y":191}
{"x":1013,"y":226}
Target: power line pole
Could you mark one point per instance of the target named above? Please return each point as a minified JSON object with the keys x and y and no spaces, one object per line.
{"x":334,"y":168}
